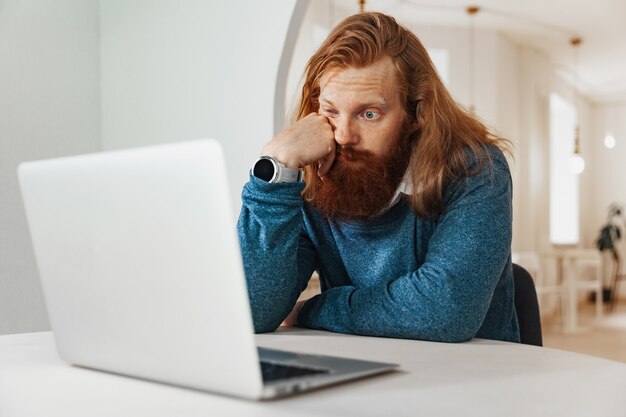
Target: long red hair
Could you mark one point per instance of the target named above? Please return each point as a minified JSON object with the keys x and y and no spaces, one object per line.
{"x":447,"y":134}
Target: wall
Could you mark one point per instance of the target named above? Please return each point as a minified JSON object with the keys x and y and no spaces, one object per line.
{"x":455,"y":40}
{"x":609,"y":163}
{"x":175,"y":71}
{"x":509,"y":99}
{"x":609,"y":168}
{"x":49,"y":106}
{"x":531,"y":217}
{"x":316,"y":24}
{"x":78,"y":76}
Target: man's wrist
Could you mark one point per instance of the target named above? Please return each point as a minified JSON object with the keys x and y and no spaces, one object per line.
{"x":272,"y":170}
{"x":281,"y":155}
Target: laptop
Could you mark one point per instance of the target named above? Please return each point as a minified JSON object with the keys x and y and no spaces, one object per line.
{"x":142,"y":274}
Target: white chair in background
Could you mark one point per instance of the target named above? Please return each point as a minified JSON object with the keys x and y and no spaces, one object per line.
{"x":575,"y":261}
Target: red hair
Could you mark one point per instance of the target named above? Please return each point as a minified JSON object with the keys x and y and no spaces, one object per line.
{"x":447,"y":134}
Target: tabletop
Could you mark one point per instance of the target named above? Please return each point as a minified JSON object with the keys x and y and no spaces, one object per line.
{"x":479,"y":377}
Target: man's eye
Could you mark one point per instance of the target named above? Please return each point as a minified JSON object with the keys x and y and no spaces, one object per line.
{"x":370,"y":115}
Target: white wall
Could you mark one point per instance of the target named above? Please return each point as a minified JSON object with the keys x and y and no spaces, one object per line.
{"x":78,"y":76}
{"x":609,"y":168}
{"x":312,"y":31}
{"x":49,"y":106}
{"x":531,"y":215}
{"x":609,"y":164}
{"x":455,"y":40}
{"x":174,"y":71}
{"x":508,"y":97}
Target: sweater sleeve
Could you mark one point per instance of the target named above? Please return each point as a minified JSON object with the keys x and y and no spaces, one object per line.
{"x":447,"y":298}
{"x":278,"y":256}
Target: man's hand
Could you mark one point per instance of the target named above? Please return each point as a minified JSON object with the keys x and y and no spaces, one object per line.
{"x":292,"y":318}
{"x":311,"y":139}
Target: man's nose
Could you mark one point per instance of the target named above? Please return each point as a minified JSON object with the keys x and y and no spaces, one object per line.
{"x":346,"y":133}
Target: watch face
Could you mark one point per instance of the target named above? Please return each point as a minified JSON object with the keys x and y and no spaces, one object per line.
{"x":263,"y":169}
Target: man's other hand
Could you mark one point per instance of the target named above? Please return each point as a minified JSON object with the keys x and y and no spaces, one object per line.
{"x":292,"y":318}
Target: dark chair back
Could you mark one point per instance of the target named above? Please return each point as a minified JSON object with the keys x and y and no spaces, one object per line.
{"x":527,"y":307}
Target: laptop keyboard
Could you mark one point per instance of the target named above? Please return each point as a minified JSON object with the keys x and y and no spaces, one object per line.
{"x":274,"y":371}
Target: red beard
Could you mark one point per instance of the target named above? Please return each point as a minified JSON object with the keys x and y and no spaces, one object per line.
{"x":360,"y":184}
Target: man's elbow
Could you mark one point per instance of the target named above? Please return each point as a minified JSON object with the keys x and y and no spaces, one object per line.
{"x":457,"y":327}
{"x":449,"y":325}
{"x":457,"y":336}
{"x":264,"y":324}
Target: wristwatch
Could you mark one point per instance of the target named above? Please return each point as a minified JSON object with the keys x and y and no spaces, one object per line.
{"x":269,"y":169}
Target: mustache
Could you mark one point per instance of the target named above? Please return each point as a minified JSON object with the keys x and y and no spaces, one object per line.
{"x":350,"y":154}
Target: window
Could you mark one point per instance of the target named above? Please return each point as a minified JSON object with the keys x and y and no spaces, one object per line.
{"x":564,"y":208}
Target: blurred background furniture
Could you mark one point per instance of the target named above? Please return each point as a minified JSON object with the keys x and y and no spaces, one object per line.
{"x":616,"y":277}
{"x":576,"y":262}
{"x":571,"y":269}
{"x":544,"y":286}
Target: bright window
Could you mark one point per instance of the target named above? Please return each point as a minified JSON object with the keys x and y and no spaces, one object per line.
{"x":563,"y":183}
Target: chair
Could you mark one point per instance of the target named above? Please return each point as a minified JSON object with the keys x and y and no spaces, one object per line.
{"x":569,"y":280}
{"x":527,"y":307}
{"x":531,"y":261}
{"x":574,"y":261}
{"x":616,"y":277}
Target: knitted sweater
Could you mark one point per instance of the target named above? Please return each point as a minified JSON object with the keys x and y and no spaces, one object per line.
{"x":447,"y":279}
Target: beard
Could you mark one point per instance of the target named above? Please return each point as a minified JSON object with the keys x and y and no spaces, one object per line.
{"x":360,"y":184}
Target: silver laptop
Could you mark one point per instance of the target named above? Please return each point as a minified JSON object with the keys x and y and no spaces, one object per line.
{"x":142,"y":275}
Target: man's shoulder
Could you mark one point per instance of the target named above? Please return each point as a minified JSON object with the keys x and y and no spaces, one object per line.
{"x":489,"y":161}
{"x":497,"y":155}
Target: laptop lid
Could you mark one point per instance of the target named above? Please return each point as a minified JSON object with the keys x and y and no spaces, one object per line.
{"x":140,"y":266}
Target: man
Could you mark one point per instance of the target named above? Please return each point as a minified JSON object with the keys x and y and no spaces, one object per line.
{"x":405,"y":207}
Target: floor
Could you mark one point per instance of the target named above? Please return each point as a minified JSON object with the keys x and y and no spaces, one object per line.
{"x":605,"y":338}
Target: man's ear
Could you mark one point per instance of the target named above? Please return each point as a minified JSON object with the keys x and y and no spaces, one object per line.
{"x":414,"y":125}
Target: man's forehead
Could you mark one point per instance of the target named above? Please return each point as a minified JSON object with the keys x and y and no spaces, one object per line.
{"x":376,"y":82}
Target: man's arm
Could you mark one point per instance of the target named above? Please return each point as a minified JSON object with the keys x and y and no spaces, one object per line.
{"x":447,"y":298}
{"x":277,"y":255}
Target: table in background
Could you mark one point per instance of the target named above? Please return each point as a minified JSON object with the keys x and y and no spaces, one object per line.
{"x":476,"y":378}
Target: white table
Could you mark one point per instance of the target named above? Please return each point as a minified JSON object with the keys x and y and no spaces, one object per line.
{"x":477,"y":378}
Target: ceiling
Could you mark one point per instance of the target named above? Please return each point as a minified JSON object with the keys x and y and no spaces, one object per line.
{"x":546,"y":25}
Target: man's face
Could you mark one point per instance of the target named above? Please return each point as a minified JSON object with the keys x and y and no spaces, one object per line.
{"x":364,"y":107}
{"x":373,"y":138}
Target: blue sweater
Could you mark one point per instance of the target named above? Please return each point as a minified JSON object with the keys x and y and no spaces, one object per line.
{"x":398,"y":275}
